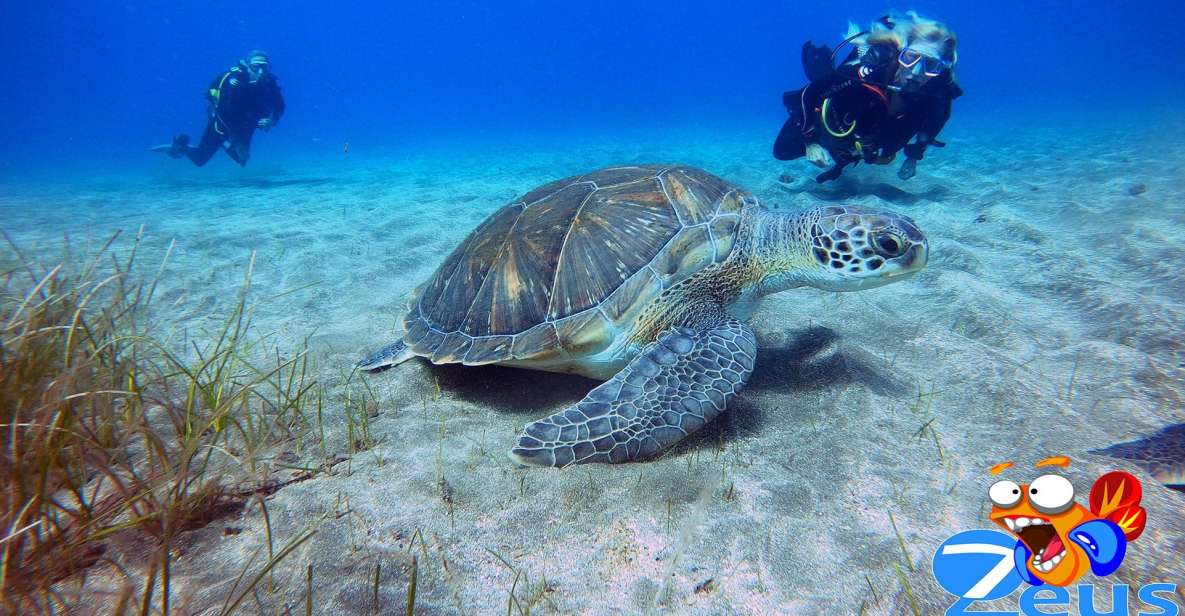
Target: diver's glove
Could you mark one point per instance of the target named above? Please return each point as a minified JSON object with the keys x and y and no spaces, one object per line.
{"x":909,"y":168}
{"x":818,"y":156}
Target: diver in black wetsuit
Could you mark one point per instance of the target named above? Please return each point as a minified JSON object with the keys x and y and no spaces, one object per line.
{"x":242,"y":99}
{"x":897,"y":84}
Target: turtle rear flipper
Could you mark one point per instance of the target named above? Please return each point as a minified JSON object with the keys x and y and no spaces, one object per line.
{"x":391,"y":355}
{"x":671,"y":389}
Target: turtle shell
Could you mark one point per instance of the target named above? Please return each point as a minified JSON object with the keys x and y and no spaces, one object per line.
{"x":559,"y":272}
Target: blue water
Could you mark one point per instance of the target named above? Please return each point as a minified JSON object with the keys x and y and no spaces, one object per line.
{"x":89,"y":86}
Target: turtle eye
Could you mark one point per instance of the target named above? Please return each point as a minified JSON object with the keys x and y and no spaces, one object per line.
{"x":1051,"y":493}
{"x":888,"y":244}
{"x":1004,"y":494}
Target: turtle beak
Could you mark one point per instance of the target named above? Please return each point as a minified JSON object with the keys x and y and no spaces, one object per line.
{"x":917,"y":256}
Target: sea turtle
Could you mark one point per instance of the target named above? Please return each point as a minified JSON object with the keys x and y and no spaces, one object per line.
{"x":642,"y":277}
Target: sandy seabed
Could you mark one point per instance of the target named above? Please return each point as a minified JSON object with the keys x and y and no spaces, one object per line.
{"x":1049,"y":321}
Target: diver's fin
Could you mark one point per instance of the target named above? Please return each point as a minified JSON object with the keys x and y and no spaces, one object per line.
{"x":176,"y":149}
{"x":816,"y":61}
{"x":391,"y":355}
{"x":170,"y":149}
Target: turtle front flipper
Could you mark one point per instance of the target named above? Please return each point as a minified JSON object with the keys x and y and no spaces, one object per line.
{"x":391,"y":355}
{"x":671,"y":389}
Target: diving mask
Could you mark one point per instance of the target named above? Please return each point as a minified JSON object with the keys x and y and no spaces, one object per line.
{"x":930,"y":66}
{"x":256,"y":69}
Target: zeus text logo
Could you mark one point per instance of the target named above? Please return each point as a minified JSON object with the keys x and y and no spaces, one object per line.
{"x":979,"y":565}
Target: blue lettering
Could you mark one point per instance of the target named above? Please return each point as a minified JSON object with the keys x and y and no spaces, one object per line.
{"x":960,"y":609}
{"x":1119,"y":598}
{"x":1166,"y":605}
{"x":1029,"y":600}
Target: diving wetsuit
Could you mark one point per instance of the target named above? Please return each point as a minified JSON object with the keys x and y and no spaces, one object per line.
{"x":236,"y":107}
{"x":885,"y":118}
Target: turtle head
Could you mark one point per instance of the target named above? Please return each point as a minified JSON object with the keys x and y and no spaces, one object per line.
{"x":855,"y":248}
{"x":844,"y":248}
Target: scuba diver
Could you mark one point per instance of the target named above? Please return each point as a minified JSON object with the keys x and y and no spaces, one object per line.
{"x":242,"y":99}
{"x":896,"y":84}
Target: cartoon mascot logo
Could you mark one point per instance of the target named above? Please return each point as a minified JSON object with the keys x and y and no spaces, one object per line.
{"x":1057,"y":539}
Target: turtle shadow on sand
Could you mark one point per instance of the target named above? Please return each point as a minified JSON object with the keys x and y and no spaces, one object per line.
{"x":809,"y":359}
{"x":512,"y":390}
{"x":847,"y":188}
{"x":813,"y":359}
{"x":529,"y":394}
